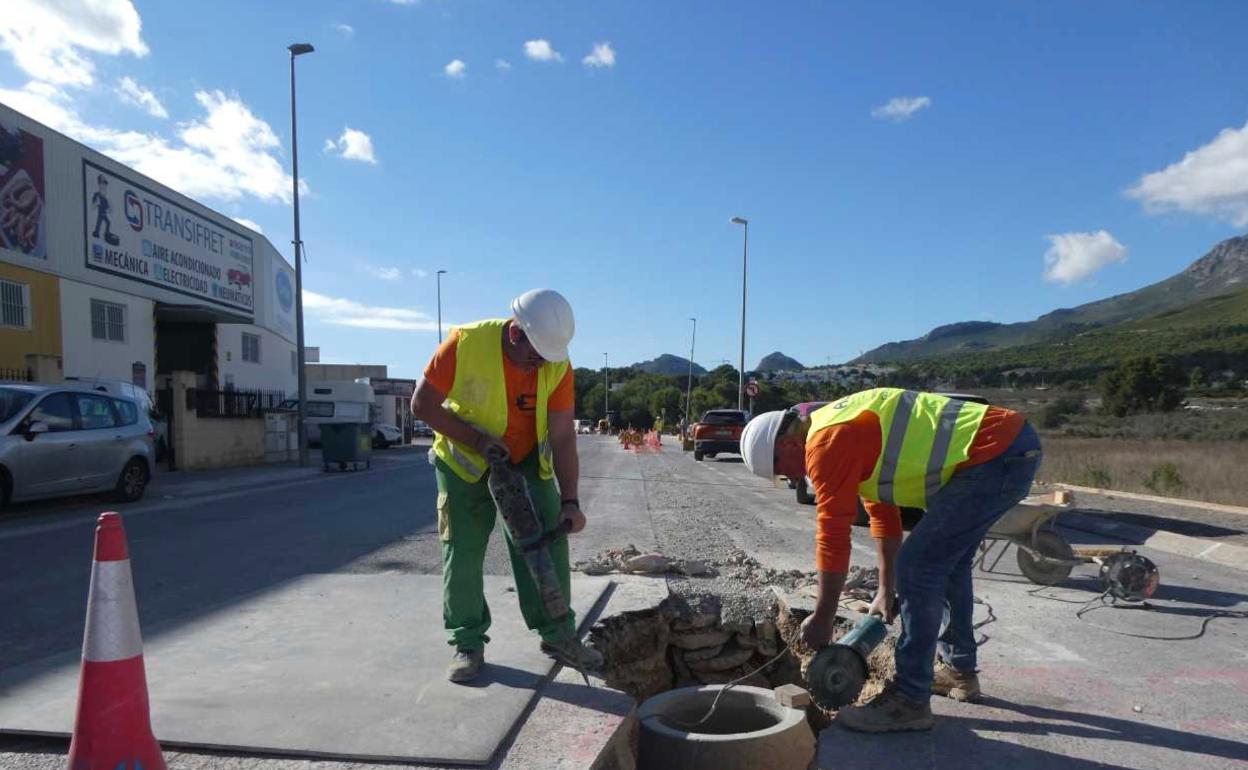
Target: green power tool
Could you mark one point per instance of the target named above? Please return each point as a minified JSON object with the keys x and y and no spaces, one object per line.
{"x":510,"y":491}
{"x":839,"y":670}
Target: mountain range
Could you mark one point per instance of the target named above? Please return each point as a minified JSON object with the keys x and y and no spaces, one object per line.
{"x":1223,"y":271}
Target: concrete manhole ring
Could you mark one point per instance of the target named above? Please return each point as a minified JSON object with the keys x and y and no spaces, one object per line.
{"x":749,"y":729}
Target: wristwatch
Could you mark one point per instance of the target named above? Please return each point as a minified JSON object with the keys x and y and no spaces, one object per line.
{"x":570,"y":501}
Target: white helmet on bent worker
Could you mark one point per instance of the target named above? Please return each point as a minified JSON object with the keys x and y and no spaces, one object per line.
{"x":546,"y":319}
{"x":758,"y":443}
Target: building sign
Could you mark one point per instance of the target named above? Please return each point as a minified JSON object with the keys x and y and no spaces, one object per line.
{"x":23,"y":221}
{"x":283,"y":300}
{"x":137,"y":234}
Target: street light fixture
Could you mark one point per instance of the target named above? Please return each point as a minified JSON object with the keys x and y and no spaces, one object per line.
{"x":745,"y":259}
{"x":689,"y":389}
{"x":298,"y":49}
{"x":440,"y":274}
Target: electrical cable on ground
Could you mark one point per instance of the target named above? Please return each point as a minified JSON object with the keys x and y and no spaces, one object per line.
{"x":1092,"y":605}
{"x":715,"y":703}
{"x":992,"y":618}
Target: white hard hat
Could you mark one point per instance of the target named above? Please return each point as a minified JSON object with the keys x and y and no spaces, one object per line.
{"x":546,"y":318}
{"x":758,"y":443}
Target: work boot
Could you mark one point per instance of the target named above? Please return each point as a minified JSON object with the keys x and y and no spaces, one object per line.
{"x":888,"y":712}
{"x":962,"y":686}
{"x":465,"y":666}
{"x":575,"y":654}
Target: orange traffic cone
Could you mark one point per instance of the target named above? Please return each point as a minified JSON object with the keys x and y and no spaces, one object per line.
{"x":113,"y":729}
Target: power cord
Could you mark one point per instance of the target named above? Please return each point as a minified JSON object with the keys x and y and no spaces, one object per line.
{"x":715,"y":703}
{"x":1105,"y":601}
{"x":1113,"y":604}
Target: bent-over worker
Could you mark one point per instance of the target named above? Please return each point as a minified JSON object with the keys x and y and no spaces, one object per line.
{"x":964,"y":463}
{"x":503,"y":385}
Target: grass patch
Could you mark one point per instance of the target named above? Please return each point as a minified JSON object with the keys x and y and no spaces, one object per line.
{"x":1212,"y":471}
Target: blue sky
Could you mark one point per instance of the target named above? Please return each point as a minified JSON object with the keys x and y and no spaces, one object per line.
{"x":903,"y":165}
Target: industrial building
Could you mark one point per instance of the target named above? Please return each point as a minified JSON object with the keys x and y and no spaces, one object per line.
{"x":105,"y":273}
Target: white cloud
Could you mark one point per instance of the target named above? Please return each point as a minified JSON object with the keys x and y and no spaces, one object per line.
{"x":541,"y":50}
{"x":901,"y":108}
{"x":603,"y":55}
{"x":245,"y":222}
{"x":456,"y":69}
{"x":1074,"y":256}
{"x":352,"y":145}
{"x":48,"y":39}
{"x":1210,"y":180}
{"x":420,"y":273}
{"x":345,"y":312}
{"x":502,"y":64}
{"x":133,"y":93}
{"x":384,"y":273}
{"x":346,"y":30}
{"x":226,"y":154}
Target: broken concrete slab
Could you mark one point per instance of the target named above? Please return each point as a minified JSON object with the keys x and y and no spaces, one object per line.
{"x":327,"y":665}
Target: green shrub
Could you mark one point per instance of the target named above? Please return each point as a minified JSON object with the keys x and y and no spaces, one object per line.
{"x":1140,"y":385}
{"x":1057,"y":412}
{"x":1165,"y":479}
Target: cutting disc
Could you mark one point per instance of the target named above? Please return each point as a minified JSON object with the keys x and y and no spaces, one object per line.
{"x":836,"y":676}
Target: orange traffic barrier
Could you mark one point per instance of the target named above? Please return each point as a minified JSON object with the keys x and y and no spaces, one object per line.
{"x":113,"y":728}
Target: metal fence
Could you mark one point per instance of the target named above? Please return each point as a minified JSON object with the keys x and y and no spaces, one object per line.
{"x":233,"y":403}
{"x":17,"y":375}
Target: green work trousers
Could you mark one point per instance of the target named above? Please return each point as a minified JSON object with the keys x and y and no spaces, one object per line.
{"x":466,"y":517}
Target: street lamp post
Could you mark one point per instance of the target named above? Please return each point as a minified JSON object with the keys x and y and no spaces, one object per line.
{"x":440,"y":274}
{"x":298,"y":49}
{"x":689,"y":389}
{"x":606,"y":391}
{"x":745,"y":259}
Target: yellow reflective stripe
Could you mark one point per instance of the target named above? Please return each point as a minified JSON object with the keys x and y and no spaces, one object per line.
{"x":470,"y":465}
{"x":946,"y":424}
{"x":891,"y":453}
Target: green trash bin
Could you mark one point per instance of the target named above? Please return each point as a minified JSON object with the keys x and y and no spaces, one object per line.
{"x":344,"y":443}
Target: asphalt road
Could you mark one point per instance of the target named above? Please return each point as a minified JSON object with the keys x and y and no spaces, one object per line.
{"x":1066,"y":691}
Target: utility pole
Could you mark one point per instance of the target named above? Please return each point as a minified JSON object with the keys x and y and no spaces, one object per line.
{"x":745,"y":259}
{"x":440,"y":274}
{"x":606,"y":393}
{"x":298,"y":49}
{"x":689,"y":390}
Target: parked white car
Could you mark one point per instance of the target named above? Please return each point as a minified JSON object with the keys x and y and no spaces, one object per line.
{"x":386,"y":435}
{"x":69,"y":440}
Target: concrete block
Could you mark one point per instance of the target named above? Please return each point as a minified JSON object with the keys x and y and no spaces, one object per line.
{"x":793,"y":696}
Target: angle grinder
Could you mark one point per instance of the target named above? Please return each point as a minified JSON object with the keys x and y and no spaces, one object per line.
{"x":839,"y":670}
{"x":1128,"y":576}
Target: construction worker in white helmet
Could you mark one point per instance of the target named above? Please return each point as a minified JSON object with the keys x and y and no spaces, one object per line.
{"x":964,"y":463}
{"x":503,"y":385}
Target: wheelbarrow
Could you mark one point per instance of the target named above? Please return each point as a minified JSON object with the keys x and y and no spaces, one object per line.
{"x":1044,"y":556}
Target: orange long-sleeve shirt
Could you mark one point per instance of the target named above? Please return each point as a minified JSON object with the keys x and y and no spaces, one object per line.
{"x":521,"y":435}
{"x":842,"y":456}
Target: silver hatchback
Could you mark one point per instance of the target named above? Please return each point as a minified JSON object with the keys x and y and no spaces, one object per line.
{"x":69,"y":440}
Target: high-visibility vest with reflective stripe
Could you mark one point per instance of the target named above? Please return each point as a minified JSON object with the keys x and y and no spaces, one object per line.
{"x":479,"y":397}
{"x":923,"y":439}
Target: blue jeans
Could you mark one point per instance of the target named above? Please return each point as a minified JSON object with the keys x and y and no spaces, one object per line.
{"x":934,"y":567}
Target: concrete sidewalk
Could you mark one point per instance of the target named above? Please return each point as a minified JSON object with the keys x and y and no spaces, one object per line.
{"x":181,"y":484}
{"x":1213,"y":533}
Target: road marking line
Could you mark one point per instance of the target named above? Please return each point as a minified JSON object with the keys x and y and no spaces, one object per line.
{"x":1208,"y":550}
